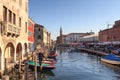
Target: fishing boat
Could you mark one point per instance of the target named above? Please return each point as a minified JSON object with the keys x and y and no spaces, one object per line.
{"x":45,"y":66}
{"x":111,"y":59}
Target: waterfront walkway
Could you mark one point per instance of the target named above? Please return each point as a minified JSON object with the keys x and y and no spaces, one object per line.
{"x":94,"y":52}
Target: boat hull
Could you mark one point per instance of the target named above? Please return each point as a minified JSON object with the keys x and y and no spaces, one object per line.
{"x":48,"y":62}
{"x":110,"y":61}
{"x":44,"y":66}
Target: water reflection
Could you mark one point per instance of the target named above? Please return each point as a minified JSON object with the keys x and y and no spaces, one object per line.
{"x":61,"y":50}
{"x":44,"y":75}
{"x":81,"y":66}
{"x":116,"y":68}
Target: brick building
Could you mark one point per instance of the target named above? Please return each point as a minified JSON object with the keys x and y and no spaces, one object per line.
{"x":111,"y":34}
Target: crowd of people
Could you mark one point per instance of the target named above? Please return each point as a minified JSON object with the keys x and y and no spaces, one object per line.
{"x":104,"y":48}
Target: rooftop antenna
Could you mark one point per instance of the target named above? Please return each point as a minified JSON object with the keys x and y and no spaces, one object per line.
{"x":108,"y":25}
{"x":91,"y":30}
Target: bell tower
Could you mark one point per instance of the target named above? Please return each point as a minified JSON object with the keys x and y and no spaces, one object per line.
{"x":61,"y":37}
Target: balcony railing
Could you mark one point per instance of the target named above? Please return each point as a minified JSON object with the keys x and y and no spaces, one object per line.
{"x":10,"y":29}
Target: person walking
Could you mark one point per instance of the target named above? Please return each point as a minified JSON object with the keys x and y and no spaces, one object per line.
{"x":41,"y":57}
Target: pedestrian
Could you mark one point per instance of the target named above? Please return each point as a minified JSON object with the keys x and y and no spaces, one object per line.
{"x":41,"y":57}
{"x":45,"y":54}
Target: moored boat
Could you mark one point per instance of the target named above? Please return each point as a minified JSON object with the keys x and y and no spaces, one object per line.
{"x":45,"y":66}
{"x":48,"y":62}
{"x":111,"y":59}
{"x":52,"y":55}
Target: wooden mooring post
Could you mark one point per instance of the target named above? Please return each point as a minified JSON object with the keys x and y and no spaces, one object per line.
{"x":32,"y":56}
{"x":26,"y":67}
{"x":35,"y":67}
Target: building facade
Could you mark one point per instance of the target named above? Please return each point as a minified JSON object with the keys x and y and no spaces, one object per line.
{"x":77,"y":38}
{"x":42,"y":36}
{"x":31,"y":34}
{"x":13,"y":31}
{"x":93,"y":38}
{"x":58,"y":40}
{"x":110,"y":35}
{"x":74,"y":38}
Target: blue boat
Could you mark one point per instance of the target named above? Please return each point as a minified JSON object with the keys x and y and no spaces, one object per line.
{"x":111,"y":59}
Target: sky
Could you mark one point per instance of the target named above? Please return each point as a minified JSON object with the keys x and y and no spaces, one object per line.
{"x":78,"y":16}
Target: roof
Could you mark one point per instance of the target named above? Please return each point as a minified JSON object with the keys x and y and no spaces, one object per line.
{"x":38,"y":25}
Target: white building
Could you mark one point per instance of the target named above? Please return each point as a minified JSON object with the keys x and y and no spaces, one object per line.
{"x":90,"y":38}
{"x":74,"y":37}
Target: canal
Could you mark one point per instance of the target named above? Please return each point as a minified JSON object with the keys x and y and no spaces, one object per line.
{"x":80,"y":66}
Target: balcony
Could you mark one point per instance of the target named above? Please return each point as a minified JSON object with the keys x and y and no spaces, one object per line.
{"x":10,"y":29}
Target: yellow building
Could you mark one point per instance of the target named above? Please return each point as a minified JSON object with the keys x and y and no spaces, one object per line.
{"x":45,"y":37}
{"x":13,"y":31}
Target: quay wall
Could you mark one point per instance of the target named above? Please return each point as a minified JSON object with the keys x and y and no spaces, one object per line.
{"x":94,"y":52}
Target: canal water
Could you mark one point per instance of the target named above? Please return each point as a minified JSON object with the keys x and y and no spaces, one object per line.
{"x":80,"y":66}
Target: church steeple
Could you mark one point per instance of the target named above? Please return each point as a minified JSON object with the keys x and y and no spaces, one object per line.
{"x":61,"y":40}
{"x":60,"y":31}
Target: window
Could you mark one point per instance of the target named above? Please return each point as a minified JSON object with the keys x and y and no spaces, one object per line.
{"x":25,"y":26}
{"x":108,"y":38}
{"x":4,"y":13}
{"x":10,"y":16}
{"x":115,"y":37}
{"x":26,"y":7}
{"x":39,"y":37}
{"x":29,"y":24}
{"x":19,"y":22}
{"x":38,"y":29}
{"x":14,"y":18}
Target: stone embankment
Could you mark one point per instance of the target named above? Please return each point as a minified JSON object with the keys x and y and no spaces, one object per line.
{"x":94,"y":52}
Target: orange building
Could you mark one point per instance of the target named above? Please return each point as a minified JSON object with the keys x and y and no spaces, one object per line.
{"x":31,"y":34}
